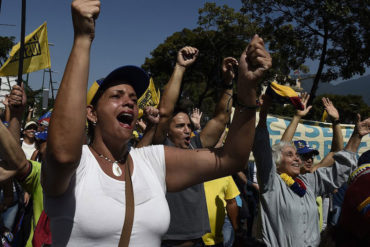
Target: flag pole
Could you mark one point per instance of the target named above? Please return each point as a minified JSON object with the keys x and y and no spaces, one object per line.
{"x":21,"y":51}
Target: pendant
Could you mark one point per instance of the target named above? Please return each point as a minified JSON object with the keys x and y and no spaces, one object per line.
{"x":116,"y":169}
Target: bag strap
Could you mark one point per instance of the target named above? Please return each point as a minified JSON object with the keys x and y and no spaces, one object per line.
{"x":130,"y":207}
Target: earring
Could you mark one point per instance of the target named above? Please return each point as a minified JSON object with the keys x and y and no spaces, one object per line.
{"x":94,"y":123}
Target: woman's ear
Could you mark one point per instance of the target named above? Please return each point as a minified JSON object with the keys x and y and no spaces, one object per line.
{"x":91,"y":114}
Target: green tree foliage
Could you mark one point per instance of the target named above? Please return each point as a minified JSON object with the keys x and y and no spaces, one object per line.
{"x":334,"y":33}
{"x":286,"y":110}
{"x":6,"y":43}
{"x":221,"y":33}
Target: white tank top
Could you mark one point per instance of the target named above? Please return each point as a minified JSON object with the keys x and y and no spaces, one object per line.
{"x":92,"y":211}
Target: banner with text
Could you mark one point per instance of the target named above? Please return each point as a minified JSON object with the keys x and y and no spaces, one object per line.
{"x":318,"y":134}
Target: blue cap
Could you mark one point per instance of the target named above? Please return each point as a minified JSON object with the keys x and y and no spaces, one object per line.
{"x":133,"y":75}
{"x":303,"y":148}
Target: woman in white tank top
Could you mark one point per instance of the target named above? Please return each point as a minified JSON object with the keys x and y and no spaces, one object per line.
{"x":84,"y":185}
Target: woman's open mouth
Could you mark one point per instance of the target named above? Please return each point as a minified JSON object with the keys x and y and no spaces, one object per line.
{"x":125,"y":119}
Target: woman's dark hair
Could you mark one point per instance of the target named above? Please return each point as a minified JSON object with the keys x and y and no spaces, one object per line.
{"x":90,"y":131}
{"x":90,"y":125}
{"x":180,"y":109}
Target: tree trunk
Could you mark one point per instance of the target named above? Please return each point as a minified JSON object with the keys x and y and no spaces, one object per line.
{"x":316,"y":81}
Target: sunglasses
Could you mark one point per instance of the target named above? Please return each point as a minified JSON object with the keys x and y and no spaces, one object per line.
{"x":31,"y":128}
{"x":307,"y":156}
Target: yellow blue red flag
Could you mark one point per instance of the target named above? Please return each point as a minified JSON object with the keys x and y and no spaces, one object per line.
{"x":284,"y":94}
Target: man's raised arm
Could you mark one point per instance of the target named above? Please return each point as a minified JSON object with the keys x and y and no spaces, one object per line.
{"x":185,"y":57}
{"x":215,"y":127}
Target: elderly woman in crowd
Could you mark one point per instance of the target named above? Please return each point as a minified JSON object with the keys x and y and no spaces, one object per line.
{"x":288,"y":215}
{"x":84,"y":185}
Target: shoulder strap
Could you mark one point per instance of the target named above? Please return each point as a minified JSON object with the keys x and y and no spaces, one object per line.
{"x":130,"y":207}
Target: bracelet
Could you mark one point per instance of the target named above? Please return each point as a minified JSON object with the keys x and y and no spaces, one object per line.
{"x":246,"y":107}
{"x":335,"y":122}
{"x":227,"y":93}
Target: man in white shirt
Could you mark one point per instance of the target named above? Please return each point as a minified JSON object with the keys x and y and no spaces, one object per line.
{"x":29,"y":141}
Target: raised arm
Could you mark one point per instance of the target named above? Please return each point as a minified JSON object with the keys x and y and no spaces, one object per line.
{"x":262,"y":151}
{"x":29,"y":114}
{"x":14,"y":162}
{"x":337,"y":140}
{"x":17,"y":102}
{"x":329,"y":178}
{"x":265,"y":102}
{"x":185,"y":57}
{"x":66,"y":130}
{"x":214,"y":127}
{"x":290,"y":130}
{"x":195,"y":118}
{"x":362,"y":128}
{"x":151,"y":115}
{"x":187,"y":167}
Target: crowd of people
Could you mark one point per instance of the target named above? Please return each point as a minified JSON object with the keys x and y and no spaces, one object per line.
{"x":89,"y":182}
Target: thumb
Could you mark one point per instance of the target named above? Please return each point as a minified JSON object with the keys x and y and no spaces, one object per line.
{"x":259,"y":71}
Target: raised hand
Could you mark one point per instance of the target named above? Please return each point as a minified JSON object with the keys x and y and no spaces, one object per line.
{"x":195,"y":117}
{"x":228,"y":72}
{"x":151,"y":115}
{"x":187,"y":56}
{"x":362,"y":127}
{"x":30,"y":109}
{"x":84,"y":14}
{"x":254,"y":61}
{"x":141,"y":124}
{"x":330,"y":108}
{"x":305,"y":97}
{"x":17,"y":99}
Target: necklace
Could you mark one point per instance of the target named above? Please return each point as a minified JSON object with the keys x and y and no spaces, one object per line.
{"x":296,"y":184}
{"x":115,"y":167}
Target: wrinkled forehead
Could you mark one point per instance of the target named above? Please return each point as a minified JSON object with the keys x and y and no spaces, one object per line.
{"x":289,"y":149}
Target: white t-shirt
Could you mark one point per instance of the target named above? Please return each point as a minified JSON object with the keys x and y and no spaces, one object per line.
{"x":28,"y":149}
{"x":92,"y":211}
